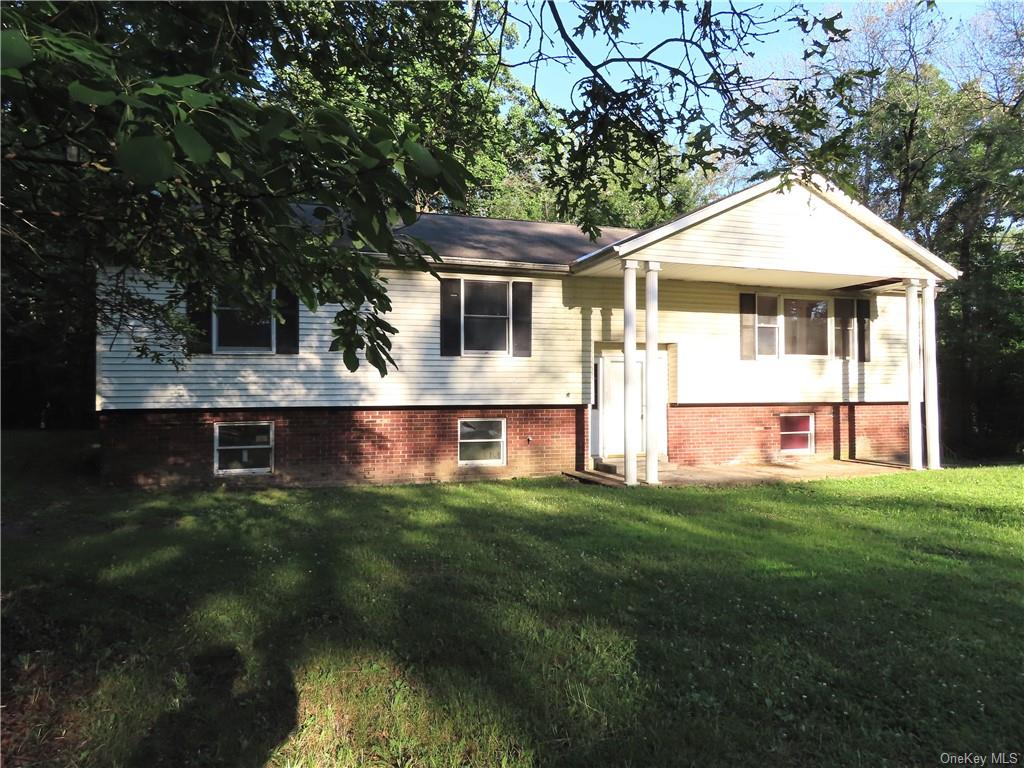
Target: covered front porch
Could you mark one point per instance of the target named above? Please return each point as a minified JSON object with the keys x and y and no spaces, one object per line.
{"x":783,"y":255}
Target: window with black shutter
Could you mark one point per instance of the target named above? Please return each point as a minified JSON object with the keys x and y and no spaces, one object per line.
{"x":225,"y":328}
{"x":486,"y":317}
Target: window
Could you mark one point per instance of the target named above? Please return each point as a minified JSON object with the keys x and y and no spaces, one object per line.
{"x":797,"y":432}
{"x":243,"y":448}
{"x":237,"y":332}
{"x":482,"y":441}
{"x":485,"y":316}
{"x":767,"y":326}
{"x":806,"y":325}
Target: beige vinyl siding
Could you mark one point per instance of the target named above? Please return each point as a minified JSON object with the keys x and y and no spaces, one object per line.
{"x":571,"y":317}
{"x":794,"y":230}
{"x":318,"y":377}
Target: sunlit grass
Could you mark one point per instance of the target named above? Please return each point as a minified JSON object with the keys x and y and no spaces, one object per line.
{"x":863,"y":622}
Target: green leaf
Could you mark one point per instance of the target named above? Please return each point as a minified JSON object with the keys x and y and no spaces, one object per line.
{"x":87,"y":95}
{"x":350,"y":358}
{"x":177,"y":81}
{"x":194,"y":145}
{"x":15,"y":52}
{"x":146,"y":159}
{"x":225,"y":158}
{"x":196,"y":99}
{"x":421,"y":157}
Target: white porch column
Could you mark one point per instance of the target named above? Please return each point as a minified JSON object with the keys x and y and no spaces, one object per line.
{"x":630,"y":416}
{"x":651,"y":394}
{"x":931,"y":377}
{"x":914,"y":371}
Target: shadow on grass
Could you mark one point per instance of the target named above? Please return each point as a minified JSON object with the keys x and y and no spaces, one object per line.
{"x":535,"y":623}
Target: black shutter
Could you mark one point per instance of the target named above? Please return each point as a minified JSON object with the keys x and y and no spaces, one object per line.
{"x":200,"y":314}
{"x":451,"y":317}
{"x":522,"y":319}
{"x":748,"y":326}
{"x":864,"y":330}
{"x":287,"y":332}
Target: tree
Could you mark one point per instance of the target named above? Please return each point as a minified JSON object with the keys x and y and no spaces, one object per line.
{"x":941,"y":160}
{"x":175,"y":141}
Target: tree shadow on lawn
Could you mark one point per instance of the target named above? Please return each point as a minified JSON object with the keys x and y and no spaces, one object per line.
{"x":581,"y":626}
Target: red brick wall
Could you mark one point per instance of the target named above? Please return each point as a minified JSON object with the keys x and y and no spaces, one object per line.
{"x":724,"y":434}
{"x":342,"y":444}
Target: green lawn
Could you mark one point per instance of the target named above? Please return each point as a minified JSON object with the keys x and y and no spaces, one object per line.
{"x":865,"y":622}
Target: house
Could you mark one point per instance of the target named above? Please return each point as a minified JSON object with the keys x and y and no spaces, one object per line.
{"x":783,"y":321}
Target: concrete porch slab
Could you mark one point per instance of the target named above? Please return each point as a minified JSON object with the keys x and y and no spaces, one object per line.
{"x":748,"y":474}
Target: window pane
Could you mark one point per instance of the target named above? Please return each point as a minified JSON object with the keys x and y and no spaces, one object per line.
{"x":767,"y":341}
{"x":796,"y":423}
{"x":486,"y":298}
{"x":480,"y":451}
{"x":806,"y":327}
{"x":768,"y":310}
{"x":796,"y":442}
{"x":243,"y":434}
{"x":235,"y":330}
{"x":244,"y":458}
{"x":486,"y":333}
{"x":480,"y":430}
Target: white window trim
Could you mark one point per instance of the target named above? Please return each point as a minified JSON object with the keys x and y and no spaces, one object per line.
{"x":507,"y":352}
{"x":218,"y":350}
{"x":216,"y":448}
{"x":810,"y":433}
{"x":482,"y":462}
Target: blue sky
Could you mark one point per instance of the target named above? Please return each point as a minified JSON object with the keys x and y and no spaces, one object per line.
{"x":555,"y":82}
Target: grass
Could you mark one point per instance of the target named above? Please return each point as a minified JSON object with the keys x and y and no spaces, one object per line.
{"x":864,"y":622}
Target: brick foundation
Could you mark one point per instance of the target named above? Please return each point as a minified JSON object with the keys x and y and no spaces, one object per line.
{"x":390,"y":445}
{"x":728,"y":434}
{"x":339,"y":445}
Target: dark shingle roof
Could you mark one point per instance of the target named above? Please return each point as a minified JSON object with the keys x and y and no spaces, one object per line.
{"x":536,"y":242}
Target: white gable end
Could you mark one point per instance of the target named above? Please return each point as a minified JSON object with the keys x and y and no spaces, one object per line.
{"x":791,"y":230}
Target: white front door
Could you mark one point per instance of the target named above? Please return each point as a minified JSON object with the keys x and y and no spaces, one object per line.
{"x":612,"y":404}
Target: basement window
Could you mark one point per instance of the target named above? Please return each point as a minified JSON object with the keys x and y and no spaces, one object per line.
{"x":482,"y":442}
{"x":797,"y":432}
{"x":243,"y":448}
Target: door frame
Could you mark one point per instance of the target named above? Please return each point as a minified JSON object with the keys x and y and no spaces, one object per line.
{"x":602,"y":360}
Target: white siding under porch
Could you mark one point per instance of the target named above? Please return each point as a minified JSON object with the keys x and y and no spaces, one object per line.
{"x":700,"y":324}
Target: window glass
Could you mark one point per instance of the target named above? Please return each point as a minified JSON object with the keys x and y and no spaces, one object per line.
{"x":244,"y":458}
{"x":806,"y":325}
{"x":794,"y":442}
{"x":767,"y":310}
{"x":244,"y":435}
{"x":490,"y":451}
{"x":485,"y":316}
{"x":480,"y":430}
{"x":488,"y":334}
{"x":767,"y":341}
{"x":486,"y":298}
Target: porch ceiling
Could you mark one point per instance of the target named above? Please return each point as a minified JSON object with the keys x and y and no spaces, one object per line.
{"x":768,"y":278}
